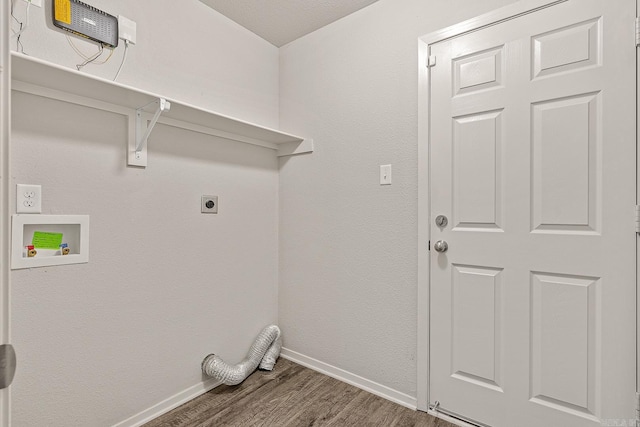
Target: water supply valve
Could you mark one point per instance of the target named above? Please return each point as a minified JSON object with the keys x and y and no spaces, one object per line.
{"x":31,"y":251}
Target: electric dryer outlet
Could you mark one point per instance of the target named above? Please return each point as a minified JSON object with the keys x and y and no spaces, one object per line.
{"x":209,"y":204}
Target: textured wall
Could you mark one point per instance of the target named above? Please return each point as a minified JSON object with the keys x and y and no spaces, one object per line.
{"x":165,"y":285}
{"x":348,"y":246}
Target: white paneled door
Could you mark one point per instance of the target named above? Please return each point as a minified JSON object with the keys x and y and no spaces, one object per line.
{"x":533,"y":162}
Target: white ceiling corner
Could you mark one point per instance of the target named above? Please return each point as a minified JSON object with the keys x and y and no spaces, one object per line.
{"x":282,"y":21}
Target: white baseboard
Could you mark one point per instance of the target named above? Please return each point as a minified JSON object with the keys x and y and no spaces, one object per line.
{"x":168,"y":404}
{"x":349,"y":378}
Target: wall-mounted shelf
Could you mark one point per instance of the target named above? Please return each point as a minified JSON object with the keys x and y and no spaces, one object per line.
{"x":42,"y":78}
{"x":74,"y":230}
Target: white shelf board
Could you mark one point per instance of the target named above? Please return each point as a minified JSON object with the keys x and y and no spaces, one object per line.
{"x":39,"y":77}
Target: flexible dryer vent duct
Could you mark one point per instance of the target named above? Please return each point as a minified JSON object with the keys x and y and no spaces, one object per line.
{"x":264,"y":352}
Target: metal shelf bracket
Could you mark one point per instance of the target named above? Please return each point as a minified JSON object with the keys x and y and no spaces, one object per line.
{"x":138,"y":155}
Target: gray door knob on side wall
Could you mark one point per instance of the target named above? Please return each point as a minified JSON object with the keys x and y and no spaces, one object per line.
{"x":441,"y":246}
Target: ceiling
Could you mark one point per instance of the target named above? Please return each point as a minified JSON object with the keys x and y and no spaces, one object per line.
{"x":282,"y":21}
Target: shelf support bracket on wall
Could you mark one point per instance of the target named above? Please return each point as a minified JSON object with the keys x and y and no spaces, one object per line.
{"x":293,"y":148}
{"x":137,"y":155}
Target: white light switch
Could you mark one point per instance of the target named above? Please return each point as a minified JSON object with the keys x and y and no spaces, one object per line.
{"x":385,"y":174}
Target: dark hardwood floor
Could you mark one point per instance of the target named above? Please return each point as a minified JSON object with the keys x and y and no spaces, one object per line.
{"x":292,"y":395}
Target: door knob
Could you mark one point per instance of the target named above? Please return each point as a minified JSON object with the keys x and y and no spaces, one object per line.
{"x":441,"y":246}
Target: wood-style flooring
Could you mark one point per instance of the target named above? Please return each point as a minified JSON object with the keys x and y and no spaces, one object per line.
{"x":292,"y":395}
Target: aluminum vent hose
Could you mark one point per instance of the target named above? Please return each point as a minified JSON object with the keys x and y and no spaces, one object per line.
{"x":263,"y":352}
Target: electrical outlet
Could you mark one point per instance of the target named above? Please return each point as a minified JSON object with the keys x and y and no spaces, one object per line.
{"x":127,"y":29}
{"x":28,"y":198}
{"x":209,"y":204}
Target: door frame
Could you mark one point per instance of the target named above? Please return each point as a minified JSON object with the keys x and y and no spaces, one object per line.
{"x":5,"y":179}
{"x":424,"y":220}
{"x":637,"y":203}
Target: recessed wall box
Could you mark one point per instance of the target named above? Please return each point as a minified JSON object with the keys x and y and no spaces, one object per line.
{"x":38,"y":232}
{"x":86,"y":21}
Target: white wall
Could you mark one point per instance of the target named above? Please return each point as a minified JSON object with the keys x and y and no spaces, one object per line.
{"x":348,"y":246}
{"x":165,"y":285}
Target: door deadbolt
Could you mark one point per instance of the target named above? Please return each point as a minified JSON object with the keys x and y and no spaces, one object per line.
{"x":441,"y":221}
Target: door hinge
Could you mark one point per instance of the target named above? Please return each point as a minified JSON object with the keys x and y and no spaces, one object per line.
{"x":637,"y":31}
{"x":432,"y":61}
{"x":637,"y":218}
{"x":429,"y":245}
